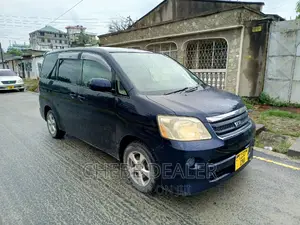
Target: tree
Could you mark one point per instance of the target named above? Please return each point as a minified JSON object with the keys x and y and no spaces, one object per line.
{"x":121,"y":24}
{"x":298,"y":10}
{"x":81,"y":40}
{"x":14,"y":51}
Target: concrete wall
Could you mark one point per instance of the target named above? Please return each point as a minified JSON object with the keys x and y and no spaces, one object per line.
{"x":179,"y":9}
{"x":254,"y":58}
{"x":227,"y":24}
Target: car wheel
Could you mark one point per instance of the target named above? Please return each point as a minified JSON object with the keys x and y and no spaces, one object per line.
{"x":140,"y":167}
{"x":22,"y":90}
{"x":53,"y":127}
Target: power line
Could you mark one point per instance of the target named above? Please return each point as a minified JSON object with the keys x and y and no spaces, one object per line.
{"x":48,"y":18}
{"x":66,"y":11}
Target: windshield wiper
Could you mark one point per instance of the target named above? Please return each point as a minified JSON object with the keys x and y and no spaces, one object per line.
{"x":191,"y":89}
{"x":180,"y":90}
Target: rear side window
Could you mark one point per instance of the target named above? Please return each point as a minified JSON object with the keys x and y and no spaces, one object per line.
{"x":48,"y":65}
{"x":69,"y":71}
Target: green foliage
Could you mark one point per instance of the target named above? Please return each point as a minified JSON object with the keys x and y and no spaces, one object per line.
{"x":248,"y":103}
{"x":268,"y":100}
{"x":280,"y":113}
{"x":82,"y":40}
{"x":15,"y":52}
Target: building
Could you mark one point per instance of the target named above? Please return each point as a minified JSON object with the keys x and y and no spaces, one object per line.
{"x":26,"y":66}
{"x":222,"y":42}
{"x":78,"y":34}
{"x":48,"y":38}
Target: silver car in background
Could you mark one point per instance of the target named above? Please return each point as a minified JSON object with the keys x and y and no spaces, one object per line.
{"x":9,"y":80}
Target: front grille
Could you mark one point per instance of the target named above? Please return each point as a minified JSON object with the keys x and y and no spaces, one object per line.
{"x":8,"y":82}
{"x":231,"y":124}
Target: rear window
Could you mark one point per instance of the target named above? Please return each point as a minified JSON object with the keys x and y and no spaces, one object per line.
{"x":7,"y":73}
{"x":48,"y":65}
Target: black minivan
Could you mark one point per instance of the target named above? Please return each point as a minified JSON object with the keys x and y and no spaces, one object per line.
{"x":166,"y":126}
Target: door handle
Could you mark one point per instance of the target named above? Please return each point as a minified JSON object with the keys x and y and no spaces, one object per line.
{"x":73,"y":95}
{"x":81,"y":98}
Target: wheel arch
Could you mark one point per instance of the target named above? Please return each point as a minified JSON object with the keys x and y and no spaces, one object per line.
{"x":47,"y":108}
{"x":126,"y":140}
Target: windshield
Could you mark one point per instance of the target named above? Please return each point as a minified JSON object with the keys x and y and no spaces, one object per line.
{"x":154,"y":73}
{"x":7,"y":73}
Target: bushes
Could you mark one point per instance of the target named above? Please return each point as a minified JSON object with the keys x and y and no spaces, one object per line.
{"x":266,"y":99}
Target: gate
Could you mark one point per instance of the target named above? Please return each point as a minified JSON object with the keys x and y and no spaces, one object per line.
{"x":208,"y":60}
{"x":282,"y":78}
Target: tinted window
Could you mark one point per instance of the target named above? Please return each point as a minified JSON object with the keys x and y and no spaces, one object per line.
{"x":69,"y":70}
{"x":7,"y":73}
{"x":48,"y":65}
{"x":93,"y":69}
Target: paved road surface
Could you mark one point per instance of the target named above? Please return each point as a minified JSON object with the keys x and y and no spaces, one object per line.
{"x":42,"y":181}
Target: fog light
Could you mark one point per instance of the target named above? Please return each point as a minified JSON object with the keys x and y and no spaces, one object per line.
{"x":190,"y":162}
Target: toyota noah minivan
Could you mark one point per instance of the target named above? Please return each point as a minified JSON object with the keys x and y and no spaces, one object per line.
{"x":167,"y":127}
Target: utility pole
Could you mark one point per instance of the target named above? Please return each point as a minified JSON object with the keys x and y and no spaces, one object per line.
{"x":2,"y":56}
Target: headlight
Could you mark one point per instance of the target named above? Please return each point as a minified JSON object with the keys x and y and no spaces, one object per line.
{"x":182,"y":128}
{"x":20,"y":81}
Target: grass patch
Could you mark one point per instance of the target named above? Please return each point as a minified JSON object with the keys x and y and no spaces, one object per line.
{"x":280,"y":113}
{"x":31,"y":84}
{"x":248,"y":103}
{"x":283,"y":147}
{"x":278,"y":121}
{"x":279,"y":143}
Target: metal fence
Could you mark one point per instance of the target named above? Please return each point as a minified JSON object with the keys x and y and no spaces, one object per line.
{"x":282,"y":78}
{"x":169,"y":49}
{"x":208,"y":59}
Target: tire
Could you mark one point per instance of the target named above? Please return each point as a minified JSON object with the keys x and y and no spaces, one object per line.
{"x":22,"y":90}
{"x":53,"y":129}
{"x":137,"y":171}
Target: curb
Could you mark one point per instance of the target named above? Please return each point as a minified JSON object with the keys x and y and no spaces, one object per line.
{"x":294,"y":150}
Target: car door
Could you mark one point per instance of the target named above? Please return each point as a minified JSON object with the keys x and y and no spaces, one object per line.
{"x":97,"y":111}
{"x":65,"y":91}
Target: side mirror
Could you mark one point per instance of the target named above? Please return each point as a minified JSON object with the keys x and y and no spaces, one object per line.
{"x":100,"y":84}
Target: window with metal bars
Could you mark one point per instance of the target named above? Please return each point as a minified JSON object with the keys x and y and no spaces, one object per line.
{"x":169,"y":49}
{"x":206,"y":54}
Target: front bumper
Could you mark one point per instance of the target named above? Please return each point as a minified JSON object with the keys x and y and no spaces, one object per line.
{"x":214,"y":162}
{"x":4,"y":87}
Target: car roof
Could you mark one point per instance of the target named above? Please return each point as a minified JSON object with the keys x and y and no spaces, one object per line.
{"x":100,"y":50}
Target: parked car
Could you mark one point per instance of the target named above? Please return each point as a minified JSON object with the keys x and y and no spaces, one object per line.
{"x":169,"y":128}
{"x":9,"y":80}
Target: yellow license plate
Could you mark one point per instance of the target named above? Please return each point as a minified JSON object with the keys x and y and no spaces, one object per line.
{"x":10,"y":87}
{"x":241,"y":159}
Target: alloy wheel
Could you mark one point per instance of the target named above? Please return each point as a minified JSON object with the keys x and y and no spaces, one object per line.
{"x":51,"y":124}
{"x":138,"y":168}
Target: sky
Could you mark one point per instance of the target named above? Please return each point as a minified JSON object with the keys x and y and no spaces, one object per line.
{"x":20,"y":17}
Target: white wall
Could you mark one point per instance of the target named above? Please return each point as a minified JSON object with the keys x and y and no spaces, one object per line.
{"x":35,"y":68}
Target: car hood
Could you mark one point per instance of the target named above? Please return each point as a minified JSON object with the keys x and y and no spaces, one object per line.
{"x":202,"y":103}
{"x":9,"y":78}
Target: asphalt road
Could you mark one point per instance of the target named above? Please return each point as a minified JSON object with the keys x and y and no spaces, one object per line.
{"x":47,"y":181}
